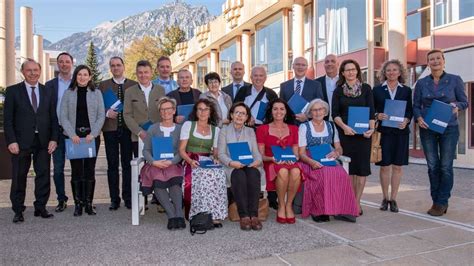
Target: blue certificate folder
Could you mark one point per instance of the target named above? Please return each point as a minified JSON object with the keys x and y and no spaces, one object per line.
{"x":185,"y":110}
{"x":111,"y":101}
{"x":438,"y":115}
{"x":262,"y":108}
{"x":283,"y":154}
{"x":81,"y":150}
{"x":358,"y":119}
{"x":297,"y":103}
{"x":319,"y":152}
{"x":240,"y":151}
{"x":395,"y":110}
{"x":146,"y":125}
{"x":162,"y":148}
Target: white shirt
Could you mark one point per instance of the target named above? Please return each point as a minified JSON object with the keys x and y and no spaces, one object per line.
{"x":29,"y":90}
{"x":392,"y":94}
{"x":302,"y":141}
{"x":121,"y":81}
{"x":234,"y":87}
{"x":167,"y":130}
{"x":249,"y":100}
{"x":147,"y":91}
{"x":186,"y":129}
{"x":302,"y":84}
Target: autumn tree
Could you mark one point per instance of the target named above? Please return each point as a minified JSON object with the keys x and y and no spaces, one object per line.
{"x":93,"y":64}
{"x":172,"y":36}
{"x":148,"y":48}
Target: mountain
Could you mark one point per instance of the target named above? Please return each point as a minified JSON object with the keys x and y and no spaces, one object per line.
{"x":110,"y":36}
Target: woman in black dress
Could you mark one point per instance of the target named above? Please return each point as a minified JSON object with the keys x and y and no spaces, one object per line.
{"x":394,"y":141}
{"x":351,"y":91}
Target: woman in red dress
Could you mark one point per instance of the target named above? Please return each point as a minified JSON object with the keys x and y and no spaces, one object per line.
{"x":284,"y":177}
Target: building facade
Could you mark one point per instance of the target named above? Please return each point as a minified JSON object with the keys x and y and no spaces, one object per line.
{"x":271,"y":33}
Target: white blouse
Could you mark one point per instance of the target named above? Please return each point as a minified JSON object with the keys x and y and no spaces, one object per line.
{"x":302,"y":141}
{"x":186,"y":129}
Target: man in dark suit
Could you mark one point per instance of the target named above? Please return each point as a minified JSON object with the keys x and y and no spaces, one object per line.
{"x":308,"y":89}
{"x":237,"y":71}
{"x":328,"y":81}
{"x":31,"y":129}
{"x":58,"y":86}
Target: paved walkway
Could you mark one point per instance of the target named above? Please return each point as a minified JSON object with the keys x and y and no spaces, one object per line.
{"x":385,"y":238}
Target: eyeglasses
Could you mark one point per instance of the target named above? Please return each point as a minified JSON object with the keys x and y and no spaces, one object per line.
{"x":167,"y":109}
{"x":213,"y":81}
{"x":237,"y":113}
{"x":203,"y":110}
{"x":350,"y":70}
{"x":318,"y":109}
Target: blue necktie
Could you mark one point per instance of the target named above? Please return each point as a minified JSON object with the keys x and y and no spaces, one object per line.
{"x":298,"y":86}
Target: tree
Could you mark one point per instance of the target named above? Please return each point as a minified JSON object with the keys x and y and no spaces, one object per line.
{"x":148,"y":48}
{"x":172,"y":36}
{"x":93,"y":64}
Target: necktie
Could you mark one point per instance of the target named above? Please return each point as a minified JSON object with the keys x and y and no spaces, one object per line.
{"x":237,"y":86}
{"x":120,"y":114}
{"x":34,"y":101}
{"x":298,"y":87}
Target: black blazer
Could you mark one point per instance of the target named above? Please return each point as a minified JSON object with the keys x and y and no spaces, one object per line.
{"x":20,"y":121}
{"x":311,"y":90}
{"x":52,"y":85}
{"x":322,"y":80}
{"x":247,"y":90}
{"x":403,"y":94}
{"x":229,"y":89}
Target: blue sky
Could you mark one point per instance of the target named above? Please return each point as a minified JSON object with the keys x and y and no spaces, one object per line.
{"x":57,"y":19}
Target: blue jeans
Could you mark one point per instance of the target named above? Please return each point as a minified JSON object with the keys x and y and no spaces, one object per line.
{"x":440,"y":150}
{"x":59,"y":157}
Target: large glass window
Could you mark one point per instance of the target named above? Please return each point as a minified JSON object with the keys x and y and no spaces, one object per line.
{"x":227,"y":55}
{"x":418,"y":19}
{"x":447,"y":11}
{"x":201,"y":72}
{"x":308,"y":33}
{"x":340,"y":31}
{"x":269,"y":44}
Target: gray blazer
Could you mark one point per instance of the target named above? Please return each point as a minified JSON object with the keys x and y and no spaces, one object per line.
{"x":227,"y":101}
{"x":95,"y":112}
{"x":227,"y":135}
{"x":154,"y":131}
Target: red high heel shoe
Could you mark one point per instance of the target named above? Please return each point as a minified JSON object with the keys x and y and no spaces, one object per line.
{"x":291,"y":220}
{"x":281,"y":220}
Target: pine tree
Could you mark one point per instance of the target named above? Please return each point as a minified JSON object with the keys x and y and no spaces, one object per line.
{"x":93,"y":64}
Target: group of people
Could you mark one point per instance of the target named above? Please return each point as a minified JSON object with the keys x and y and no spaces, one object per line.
{"x":201,"y":174}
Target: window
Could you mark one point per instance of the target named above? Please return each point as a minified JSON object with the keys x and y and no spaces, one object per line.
{"x":227,"y":55}
{"x":308,"y":33}
{"x":201,"y":72}
{"x":269,"y":44}
{"x":447,"y":11}
{"x":341,"y":26}
{"x":418,"y":19}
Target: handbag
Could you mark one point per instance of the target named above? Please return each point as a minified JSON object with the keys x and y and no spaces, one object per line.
{"x":376,"y":149}
{"x":262,"y":211}
{"x":200,"y":223}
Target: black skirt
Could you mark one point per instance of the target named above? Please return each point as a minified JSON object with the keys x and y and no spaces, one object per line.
{"x":394,"y":149}
{"x":356,"y":147}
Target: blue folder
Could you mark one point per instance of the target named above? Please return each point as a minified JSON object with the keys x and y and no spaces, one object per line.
{"x":185,"y":110}
{"x":297,"y":103}
{"x":438,"y":115}
{"x":209,"y":164}
{"x":319,"y":152}
{"x":146,"y":125}
{"x":240,"y":151}
{"x":81,"y":150}
{"x":395,"y":110}
{"x":262,"y":108}
{"x":358,"y":119}
{"x":283,"y":154}
{"x":110,"y":99}
{"x":162,"y":148}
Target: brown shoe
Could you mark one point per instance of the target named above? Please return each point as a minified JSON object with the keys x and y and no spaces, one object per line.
{"x":438,"y":210}
{"x":256,"y":224}
{"x":245,"y":224}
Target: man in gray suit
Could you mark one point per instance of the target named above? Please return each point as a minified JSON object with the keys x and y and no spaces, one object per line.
{"x":237,"y":71}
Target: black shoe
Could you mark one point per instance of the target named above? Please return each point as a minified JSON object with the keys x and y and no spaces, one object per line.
{"x":393,"y":206}
{"x":320,"y":218}
{"x":218,"y":225}
{"x":181,"y":223}
{"x":172,"y":224}
{"x":154,"y":200}
{"x":78,"y":209}
{"x":345,"y":218}
{"x":43,"y":214}
{"x":114,"y":206}
{"x":18,"y":218}
{"x":384,"y":205}
{"x":128,"y":204}
{"x":62,"y":205}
